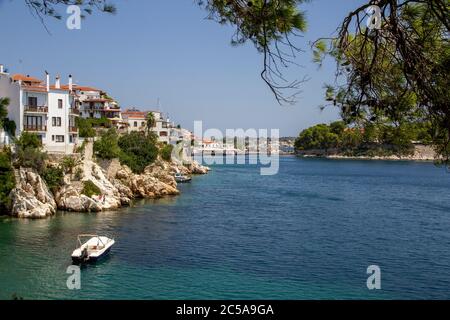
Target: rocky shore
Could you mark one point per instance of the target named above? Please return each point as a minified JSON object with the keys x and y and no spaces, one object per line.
{"x":420,"y":153}
{"x":118,"y":185}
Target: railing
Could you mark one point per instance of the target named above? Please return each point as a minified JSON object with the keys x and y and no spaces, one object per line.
{"x":74,"y":111}
{"x":73,"y":129}
{"x":34,"y":128}
{"x":39,"y":109}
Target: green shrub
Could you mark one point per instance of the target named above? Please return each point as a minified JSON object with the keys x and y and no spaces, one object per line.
{"x":29,"y":140}
{"x":166,"y":152}
{"x":81,"y":148}
{"x":69,"y":163}
{"x":7,"y":180}
{"x":138,"y":150}
{"x":29,"y":152}
{"x":90,"y":189}
{"x":54,"y":177}
{"x":107,"y":146}
{"x":86,"y":127}
{"x":78,"y":174}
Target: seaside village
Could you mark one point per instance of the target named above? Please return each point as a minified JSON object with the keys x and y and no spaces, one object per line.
{"x":49,"y":108}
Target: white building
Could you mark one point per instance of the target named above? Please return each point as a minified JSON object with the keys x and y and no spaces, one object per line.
{"x":39,"y":107}
{"x":136,"y":120}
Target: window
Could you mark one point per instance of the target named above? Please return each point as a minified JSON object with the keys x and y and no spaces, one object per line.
{"x":135,"y":124}
{"x":32,"y":101}
{"x":33,"y":121}
{"x":56,"y":121}
{"x":59,"y":139}
{"x":163,"y":134}
{"x":60,"y":103}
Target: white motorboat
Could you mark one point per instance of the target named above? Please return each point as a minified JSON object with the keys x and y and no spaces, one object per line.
{"x":181,"y":178}
{"x":93,"y":249}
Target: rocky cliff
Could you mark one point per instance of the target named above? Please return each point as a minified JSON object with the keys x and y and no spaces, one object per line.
{"x":118,"y":185}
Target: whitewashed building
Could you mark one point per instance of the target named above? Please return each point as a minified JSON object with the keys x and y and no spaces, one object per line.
{"x":42,"y":108}
{"x":136,"y":120}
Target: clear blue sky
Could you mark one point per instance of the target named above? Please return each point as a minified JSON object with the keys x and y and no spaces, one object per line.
{"x":167,"y":49}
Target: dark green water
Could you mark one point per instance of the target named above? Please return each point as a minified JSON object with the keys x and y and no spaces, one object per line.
{"x":309,"y":232}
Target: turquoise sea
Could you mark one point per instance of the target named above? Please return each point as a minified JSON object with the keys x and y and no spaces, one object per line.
{"x":309,"y":232}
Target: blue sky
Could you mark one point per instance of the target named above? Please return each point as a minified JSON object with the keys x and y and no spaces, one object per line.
{"x":167,"y":49}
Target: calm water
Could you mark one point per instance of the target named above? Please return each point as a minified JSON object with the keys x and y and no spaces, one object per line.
{"x":309,"y":232}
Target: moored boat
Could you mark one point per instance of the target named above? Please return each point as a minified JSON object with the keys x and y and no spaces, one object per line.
{"x":93,"y":249}
{"x":181,"y":178}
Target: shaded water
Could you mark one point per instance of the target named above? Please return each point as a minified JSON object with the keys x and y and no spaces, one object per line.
{"x":309,"y":232}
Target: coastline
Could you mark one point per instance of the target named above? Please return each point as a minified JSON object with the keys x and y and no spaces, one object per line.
{"x":367,"y":158}
{"x":421,"y":153}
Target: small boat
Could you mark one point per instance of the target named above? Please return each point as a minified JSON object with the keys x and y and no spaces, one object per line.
{"x":180,"y":178}
{"x":91,"y":250}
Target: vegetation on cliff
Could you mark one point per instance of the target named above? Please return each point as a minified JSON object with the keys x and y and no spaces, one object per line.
{"x":381,"y":139}
{"x":137,"y":150}
{"x":7,"y":181}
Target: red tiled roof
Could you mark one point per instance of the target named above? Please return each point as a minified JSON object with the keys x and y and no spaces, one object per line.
{"x":22,"y":77}
{"x":80,"y":88}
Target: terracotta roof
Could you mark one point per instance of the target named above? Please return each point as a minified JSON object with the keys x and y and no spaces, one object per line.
{"x":80,"y":88}
{"x":134,"y":114}
{"x":97,"y":100}
{"x":22,"y":77}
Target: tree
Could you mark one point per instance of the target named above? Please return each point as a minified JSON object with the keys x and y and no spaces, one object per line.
{"x":150,"y":121}
{"x":4,"y":102}
{"x":29,"y":152}
{"x":397,"y":72}
{"x":166,"y":152}
{"x":107,"y":146}
{"x":317,"y":137}
{"x":138,"y":150}
{"x":42,"y":8}
{"x":269,"y":25}
{"x":7,"y":180}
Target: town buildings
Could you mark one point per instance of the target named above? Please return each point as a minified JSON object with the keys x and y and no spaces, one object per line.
{"x":37,"y":106}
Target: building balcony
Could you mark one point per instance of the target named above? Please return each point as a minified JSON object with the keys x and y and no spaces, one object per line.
{"x":35,"y":128}
{"x":74,"y":111}
{"x":36,"y":109}
{"x":73,"y":129}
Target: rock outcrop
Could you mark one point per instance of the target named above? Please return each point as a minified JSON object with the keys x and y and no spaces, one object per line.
{"x":118,"y":185}
{"x":31,"y":197}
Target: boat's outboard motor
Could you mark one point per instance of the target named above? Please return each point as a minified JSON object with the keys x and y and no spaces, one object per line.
{"x":84,"y":255}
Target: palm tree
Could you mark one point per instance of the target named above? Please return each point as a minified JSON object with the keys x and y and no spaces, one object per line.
{"x":150,"y":121}
{"x":4,"y":102}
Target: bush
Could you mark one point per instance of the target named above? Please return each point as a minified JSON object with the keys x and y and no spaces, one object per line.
{"x":54,"y":177}
{"x":7,"y":180}
{"x":107,"y":146}
{"x":69,"y":163}
{"x":81,"y":148}
{"x":29,"y":140}
{"x":29,"y":152}
{"x":90,"y":189}
{"x":138,"y":150}
{"x":78,"y":174}
{"x":86,"y":127}
{"x":166,"y":152}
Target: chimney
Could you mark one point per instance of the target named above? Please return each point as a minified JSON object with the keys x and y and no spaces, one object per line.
{"x":2,"y":68}
{"x":70,"y":82}
{"x":58,"y":82}
{"x":47,"y":80}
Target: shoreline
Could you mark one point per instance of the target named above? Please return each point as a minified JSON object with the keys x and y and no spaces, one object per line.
{"x":367,"y":158}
